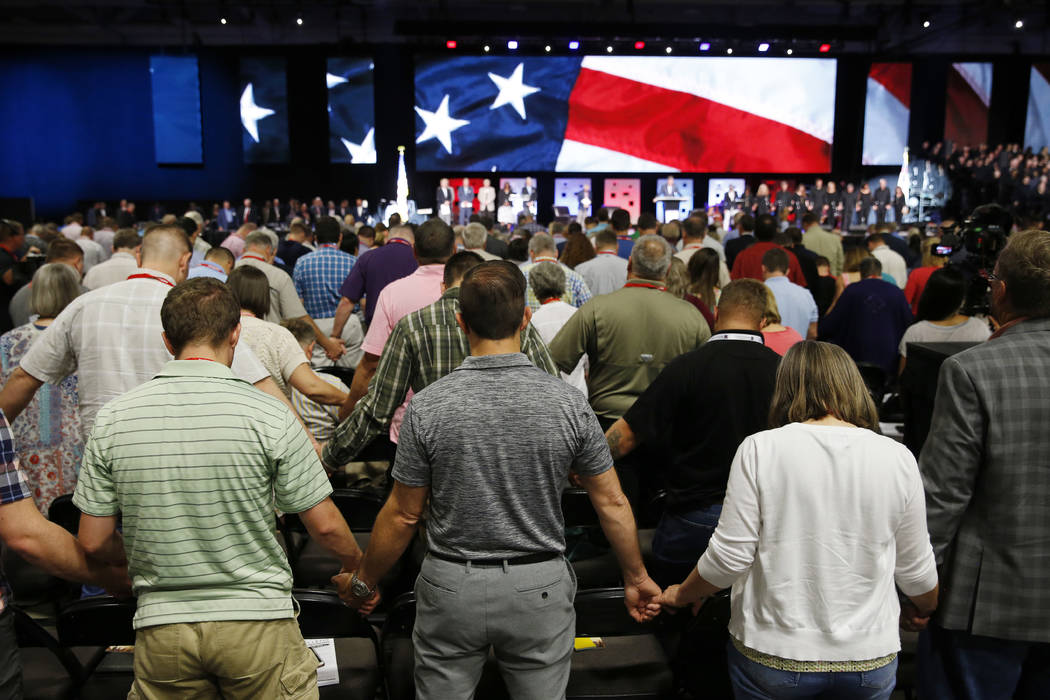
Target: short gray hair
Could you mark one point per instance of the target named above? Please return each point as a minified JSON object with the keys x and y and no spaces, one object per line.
{"x":651,"y":257}
{"x":547,"y":280}
{"x":55,"y":285}
{"x":260,"y":238}
{"x":542,"y":243}
{"x":475,"y":235}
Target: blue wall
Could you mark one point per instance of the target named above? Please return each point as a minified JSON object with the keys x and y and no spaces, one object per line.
{"x":77,"y":124}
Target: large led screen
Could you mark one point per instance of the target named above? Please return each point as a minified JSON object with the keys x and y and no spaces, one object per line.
{"x":264,"y":110}
{"x":1037,"y":124}
{"x":176,"y":92}
{"x":968,"y":101}
{"x":886,"y":113}
{"x":624,"y":114}
{"x":351,"y":111}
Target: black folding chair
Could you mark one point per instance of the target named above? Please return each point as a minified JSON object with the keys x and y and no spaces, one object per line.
{"x":63,"y":512}
{"x":98,"y":623}
{"x":49,"y":670}
{"x":343,"y":374}
{"x":321,"y":616}
{"x":595,"y":565}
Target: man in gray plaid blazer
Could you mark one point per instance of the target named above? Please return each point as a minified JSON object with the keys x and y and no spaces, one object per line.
{"x":986,"y":469}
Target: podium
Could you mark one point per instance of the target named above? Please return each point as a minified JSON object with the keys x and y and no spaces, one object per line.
{"x":667,"y":207}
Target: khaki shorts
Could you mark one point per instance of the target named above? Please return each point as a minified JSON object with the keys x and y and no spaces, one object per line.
{"x":230,"y":660}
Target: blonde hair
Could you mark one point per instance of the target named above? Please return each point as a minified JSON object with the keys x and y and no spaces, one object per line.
{"x":851,"y":261}
{"x":772,"y":314}
{"x":677,"y":279}
{"x":928,"y":258}
{"x":818,"y":379}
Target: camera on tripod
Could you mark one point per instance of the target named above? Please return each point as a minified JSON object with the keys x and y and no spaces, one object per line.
{"x":972,"y":248}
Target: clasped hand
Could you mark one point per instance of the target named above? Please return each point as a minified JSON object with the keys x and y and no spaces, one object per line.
{"x":364,"y":606}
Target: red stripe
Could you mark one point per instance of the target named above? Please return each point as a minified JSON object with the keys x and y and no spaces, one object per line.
{"x":896,"y":78}
{"x":965,"y":115}
{"x":686,"y":132}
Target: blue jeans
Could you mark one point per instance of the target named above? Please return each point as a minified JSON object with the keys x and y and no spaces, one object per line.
{"x":955,"y":664}
{"x":679,"y":541}
{"x":753,"y":681}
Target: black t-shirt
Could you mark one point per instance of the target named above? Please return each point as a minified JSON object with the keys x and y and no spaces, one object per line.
{"x":701,"y":407}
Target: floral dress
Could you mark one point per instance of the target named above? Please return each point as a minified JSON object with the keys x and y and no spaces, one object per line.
{"x":46,"y":434}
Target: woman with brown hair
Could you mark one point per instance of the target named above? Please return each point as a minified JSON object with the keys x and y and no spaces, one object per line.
{"x":578,"y":248}
{"x":822,"y":517}
{"x":703,"y":270}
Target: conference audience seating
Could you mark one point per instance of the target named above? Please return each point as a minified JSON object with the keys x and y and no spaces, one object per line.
{"x":323,"y":616}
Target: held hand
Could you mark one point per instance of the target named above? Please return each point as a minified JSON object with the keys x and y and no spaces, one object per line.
{"x":116,"y":582}
{"x":365,"y":607}
{"x":642,"y":599}
{"x":911,"y":619}
{"x":672,"y":599}
{"x":334,"y":348}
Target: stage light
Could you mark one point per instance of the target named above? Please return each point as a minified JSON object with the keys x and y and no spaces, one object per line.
{"x":451,"y":44}
{"x":1019,"y":24}
{"x":705,"y":46}
{"x":608,"y":49}
{"x":824,"y":48}
{"x":512,"y":45}
{"x":573,"y":45}
{"x":926,"y":24}
{"x":729,"y":51}
{"x":667,"y":50}
{"x":299,"y":21}
{"x":763,"y":47}
{"x":639,"y":45}
{"x":790,"y":51}
{"x":486,"y":48}
{"x":547,"y":48}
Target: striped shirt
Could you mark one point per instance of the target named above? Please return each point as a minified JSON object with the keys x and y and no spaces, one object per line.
{"x":196,"y":461}
{"x":13,"y":488}
{"x":424,"y":346}
{"x":576,"y":291}
{"x":111,"y":338}
{"x":319,"y":275}
{"x":320,"y":420}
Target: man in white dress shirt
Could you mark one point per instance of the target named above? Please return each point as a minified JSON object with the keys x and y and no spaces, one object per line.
{"x":892,"y":262}
{"x":121,"y":265}
{"x":607,"y":271}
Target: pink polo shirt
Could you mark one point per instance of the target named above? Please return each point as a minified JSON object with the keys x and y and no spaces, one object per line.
{"x":397,"y":300}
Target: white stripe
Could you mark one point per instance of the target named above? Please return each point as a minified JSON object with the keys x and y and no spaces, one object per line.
{"x":1037,"y":123}
{"x":979,"y":77}
{"x":799,"y":92}
{"x":885,"y":126}
{"x":577,"y":157}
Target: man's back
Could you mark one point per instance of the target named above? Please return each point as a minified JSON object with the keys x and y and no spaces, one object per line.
{"x":749,"y":263}
{"x":318,"y":276}
{"x":603,"y":274}
{"x":825,"y":243}
{"x":736,"y":246}
{"x":195,"y":461}
{"x":892,"y":264}
{"x":984,"y":468}
{"x":514,"y":507}
{"x":795,"y":303}
{"x":629,"y":336}
{"x":868,"y":322}
{"x":117,"y":269}
{"x":374,"y":270}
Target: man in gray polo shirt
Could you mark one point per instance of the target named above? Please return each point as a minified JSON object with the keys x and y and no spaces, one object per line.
{"x":496,"y":575}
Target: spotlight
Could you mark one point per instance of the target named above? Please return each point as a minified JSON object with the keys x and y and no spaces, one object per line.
{"x":705,"y":46}
{"x":824,"y":48}
{"x":486,"y":48}
{"x":1019,"y":24}
{"x":547,"y":48}
{"x":926,"y":24}
{"x":299,"y":21}
{"x":790,"y":51}
{"x":763,"y":47}
{"x":639,"y":45}
{"x":729,"y":51}
{"x":667,"y":50}
{"x":512,"y":45}
{"x":573,"y":45}
{"x":608,"y":49}
{"x":222,"y":20}
{"x":451,"y":44}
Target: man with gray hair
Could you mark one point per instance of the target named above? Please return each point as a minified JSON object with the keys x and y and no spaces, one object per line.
{"x":543,"y":249}
{"x":475,"y":235}
{"x":259,"y":252}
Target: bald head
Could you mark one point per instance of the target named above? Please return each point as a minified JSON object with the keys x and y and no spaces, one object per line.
{"x":166,"y":249}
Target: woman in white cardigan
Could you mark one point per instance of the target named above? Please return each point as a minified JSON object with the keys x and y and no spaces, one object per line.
{"x":821,"y":517}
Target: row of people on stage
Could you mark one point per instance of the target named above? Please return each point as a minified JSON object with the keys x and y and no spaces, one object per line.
{"x":851,"y":206}
{"x":506,"y":202}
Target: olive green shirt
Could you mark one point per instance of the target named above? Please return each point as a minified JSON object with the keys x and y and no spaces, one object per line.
{"x":629,"y":336}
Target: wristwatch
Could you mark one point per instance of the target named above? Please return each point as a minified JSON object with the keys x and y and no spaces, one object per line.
{"x":359,"y":589}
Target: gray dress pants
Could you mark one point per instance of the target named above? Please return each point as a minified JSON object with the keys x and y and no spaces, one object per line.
{"x":524,"y":613}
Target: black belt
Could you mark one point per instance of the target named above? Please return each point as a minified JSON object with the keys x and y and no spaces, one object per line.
{"x":511,"y":561}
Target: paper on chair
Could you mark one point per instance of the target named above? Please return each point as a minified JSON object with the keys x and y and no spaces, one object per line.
{"x":328,"y":667}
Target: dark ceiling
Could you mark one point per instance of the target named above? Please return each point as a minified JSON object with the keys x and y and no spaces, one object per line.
{"x":854,"y":26}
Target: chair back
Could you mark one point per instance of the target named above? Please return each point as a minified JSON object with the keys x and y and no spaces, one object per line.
{"x":323,"y":615}
{"x":63,"y":512}
{"x":601,"y":612}
{"x":577,"y":509}
{"x":343,"y":374}
{"x":359,"y":507}
{"x":97,"y":622}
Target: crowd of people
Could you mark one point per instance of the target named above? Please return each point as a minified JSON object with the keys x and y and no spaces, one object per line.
{"x":187,"y":382}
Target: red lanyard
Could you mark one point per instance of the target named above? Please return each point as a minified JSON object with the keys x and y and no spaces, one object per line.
{"x":253,"y":256}
{"x":647,"y":285}
{"x":608,"y":252}
{"x":328,"y":245}
{"x":206,"y":359}
{"x":212,"y":266}
{"x":545,"y":259}
{"x":143,"y":275}
{"x":402,"y":241}
{"x":550,"y":301}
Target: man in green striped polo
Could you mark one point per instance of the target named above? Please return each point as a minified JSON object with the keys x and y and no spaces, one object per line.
{"x":196,"y":461}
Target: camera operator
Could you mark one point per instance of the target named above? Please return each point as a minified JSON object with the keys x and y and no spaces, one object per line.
{"x":973,"y":248}
{"x":984,"y":468}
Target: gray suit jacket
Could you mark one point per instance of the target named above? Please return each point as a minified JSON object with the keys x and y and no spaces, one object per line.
{"x":986,"y":469}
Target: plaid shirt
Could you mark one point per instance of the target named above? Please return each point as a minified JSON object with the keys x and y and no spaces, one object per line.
{"x":576,"y":291}
{"x":13,"y":488}
{"x":423,"y":347}
{"x":318,"y":276}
